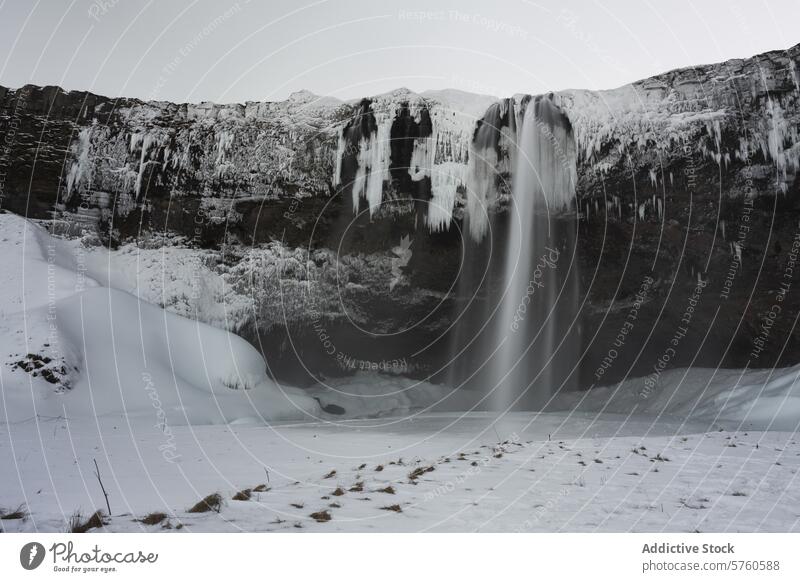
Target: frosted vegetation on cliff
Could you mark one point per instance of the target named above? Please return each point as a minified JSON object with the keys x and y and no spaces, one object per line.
{"x":240,"y":288}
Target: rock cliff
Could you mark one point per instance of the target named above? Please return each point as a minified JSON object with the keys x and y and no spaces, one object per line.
{"x":333,"y":233}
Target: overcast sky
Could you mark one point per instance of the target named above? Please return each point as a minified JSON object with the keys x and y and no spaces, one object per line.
{"x":229,"y":51}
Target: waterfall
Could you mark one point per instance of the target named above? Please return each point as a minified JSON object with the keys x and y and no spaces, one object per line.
{"x":523,"y":335}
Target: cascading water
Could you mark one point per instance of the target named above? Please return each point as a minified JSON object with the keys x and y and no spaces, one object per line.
{"x":538,"y":304}
{"x":524,"y":346}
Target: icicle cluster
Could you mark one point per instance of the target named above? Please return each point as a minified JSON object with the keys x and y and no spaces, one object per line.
{"x":492,"y":154}
{"x":80,"y":171}
{"x":442,"y":156}
{"x":374,"y":157}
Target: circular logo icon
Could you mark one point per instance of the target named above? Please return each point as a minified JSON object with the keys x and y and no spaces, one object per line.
{"x":31,"y":555}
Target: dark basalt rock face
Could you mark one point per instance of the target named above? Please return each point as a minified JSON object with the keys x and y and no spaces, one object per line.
{"x":716,"y":149}
{"x":687,"y":211}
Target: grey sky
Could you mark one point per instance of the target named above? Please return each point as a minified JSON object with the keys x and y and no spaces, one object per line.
{"x":225,"y":51}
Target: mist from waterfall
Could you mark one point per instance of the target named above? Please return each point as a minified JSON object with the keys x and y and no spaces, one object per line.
{"x":522,"y":329}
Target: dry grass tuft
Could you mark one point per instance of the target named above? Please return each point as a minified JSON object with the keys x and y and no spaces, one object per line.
{"x":243,"y":495}
{"x":357,"y":488}
{"x":330,"y":475}
{"x":396,"y":508}
{"x":321,"y":516}
{"x":260,"y":488}
{"x":154,"y":518}
{"x":211,"y":502}
{"x":338,"y":492}
{"x":18,"y":513}
{"x":388,"y":489}
{"x":77,"y":525}
{"x":419,"y":472}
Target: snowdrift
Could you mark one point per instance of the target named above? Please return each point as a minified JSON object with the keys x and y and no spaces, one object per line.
{"x":761,"y":399}
{"x":73,"y":348}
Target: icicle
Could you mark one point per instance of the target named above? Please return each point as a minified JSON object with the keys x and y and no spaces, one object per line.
{"x":224,"y":142}
{"x":422,"y":158}
{"x":81,"y":170}
{"x":495,"y":133}
{"x":445,"y":180}
{"x":341,"y":147}
{"x":374,"y":156}
{"x":135,"y":142}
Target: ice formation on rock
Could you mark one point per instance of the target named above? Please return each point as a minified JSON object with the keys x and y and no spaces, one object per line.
{"x":491,"y":153}
{"x":440,"y":155}
{"x":80,"y":170}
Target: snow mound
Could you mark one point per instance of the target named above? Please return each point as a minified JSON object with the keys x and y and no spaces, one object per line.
{"x":134,"y":353}
{"x":761,"y":399}
{"x":73,"y":348}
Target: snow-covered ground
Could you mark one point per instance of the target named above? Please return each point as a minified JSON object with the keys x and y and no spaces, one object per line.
{"x":426,"y":473}
{"x":173,"y":410}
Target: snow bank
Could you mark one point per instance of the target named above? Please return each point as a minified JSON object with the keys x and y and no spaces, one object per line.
{"x":749,"y":399}
{"x":134,"y":354}
{"x":71,"y":347}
